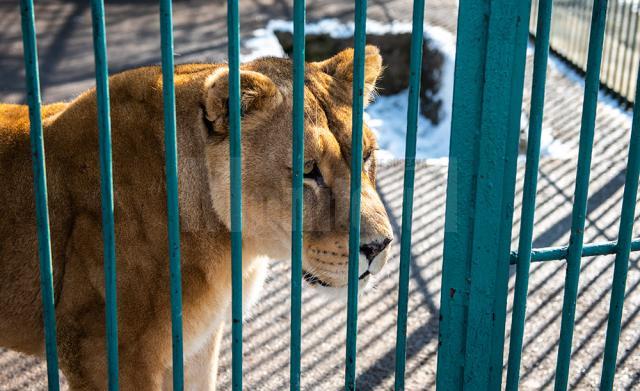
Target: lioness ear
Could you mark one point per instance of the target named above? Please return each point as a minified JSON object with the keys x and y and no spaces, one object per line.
{"x":340,"y":67}
{"x":258,"y":96}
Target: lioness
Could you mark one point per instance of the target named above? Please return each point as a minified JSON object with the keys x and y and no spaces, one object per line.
{"x":71,"y":137}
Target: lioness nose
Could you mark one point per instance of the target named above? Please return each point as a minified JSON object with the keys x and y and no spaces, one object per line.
{"x":371,"y":250}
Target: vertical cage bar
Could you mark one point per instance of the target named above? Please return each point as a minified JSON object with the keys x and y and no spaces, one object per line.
{"x":578,"y":216}
{"x":497,"y":162}
{"x":471,"y":46}
{"x":40,"y":190}
{"x":360,"y":39}
{"x":529,"y":193}
{"x":106,"y":188}
{"x":235,"y":167}
{"x":298,"y":191}
{"x":489,"y":81}
{"x":415,"y":72}
{"x":622,"y":255}
{"x":171,"y":167}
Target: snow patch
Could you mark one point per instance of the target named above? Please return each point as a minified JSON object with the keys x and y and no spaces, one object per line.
{"x":263,"y":43}
{"x":387,"y":115}
{"x":337,"y":29}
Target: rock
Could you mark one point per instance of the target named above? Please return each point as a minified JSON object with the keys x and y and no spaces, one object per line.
{"x":395,"y":50}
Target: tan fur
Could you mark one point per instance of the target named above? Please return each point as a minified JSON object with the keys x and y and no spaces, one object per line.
{"x":71,"y":144}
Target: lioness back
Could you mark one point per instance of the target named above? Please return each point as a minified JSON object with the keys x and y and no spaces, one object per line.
{"x":21,"y":313}
{"x":70,"y":134}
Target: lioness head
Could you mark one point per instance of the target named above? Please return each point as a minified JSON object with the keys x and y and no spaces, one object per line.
{"x":266,"y":100}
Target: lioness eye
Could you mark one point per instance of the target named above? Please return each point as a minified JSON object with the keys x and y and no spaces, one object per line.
{"x":309,"y":165}
{"x":312,"y":172}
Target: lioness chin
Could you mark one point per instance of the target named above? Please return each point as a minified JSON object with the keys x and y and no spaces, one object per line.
{"x":144,"y":321}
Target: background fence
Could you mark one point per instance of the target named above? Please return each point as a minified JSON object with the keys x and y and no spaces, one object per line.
{"x":621,"y":50}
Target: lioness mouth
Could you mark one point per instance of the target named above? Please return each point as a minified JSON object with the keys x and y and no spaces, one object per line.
{"x":313,"y":279}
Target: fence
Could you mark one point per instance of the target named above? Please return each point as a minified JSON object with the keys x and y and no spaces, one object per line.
{"x":570,"y":38}
{"x":475,"y":264}
{"x":490,"y":62}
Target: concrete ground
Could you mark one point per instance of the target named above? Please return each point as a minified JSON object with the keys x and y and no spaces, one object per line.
{"x":67,"y":68}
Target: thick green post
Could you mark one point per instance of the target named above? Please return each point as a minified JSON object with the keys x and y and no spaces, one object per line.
{"x":171,"y":168}
{"x":40,"y":190}
{"x":415,"y":72}
{"x":360,"y":39}
{"x":623,"y":250}
{"x":235,"y":167}
{"x":106,"y":189}
{"x":591,"y":88}
{"x":298,"y":191}
{"x":529,"y":193}
{"x":491,"y":53}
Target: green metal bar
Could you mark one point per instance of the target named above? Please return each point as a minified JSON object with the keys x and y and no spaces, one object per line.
{"x":360,"y":39}
{"x":415,"y":72}
{"x":489,"y":80}
{"x":235,"y":167}
{"x":40,"y":190}
{"x":592,"y":82}
{"x":561,"y":252}
{"x":622,"y":256}
{"x":508,"y":26}
{"x":106,"y":189}
{"x":529,"y":193}
{"x":471,"y":46}
{"x":171,"y":167}
{"x":298,"y":191}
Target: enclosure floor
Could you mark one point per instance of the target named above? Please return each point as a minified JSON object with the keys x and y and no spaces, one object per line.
{"x":67,"y":69}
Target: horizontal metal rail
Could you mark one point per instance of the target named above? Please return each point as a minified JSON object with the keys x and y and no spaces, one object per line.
{"x":560,"y":252}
